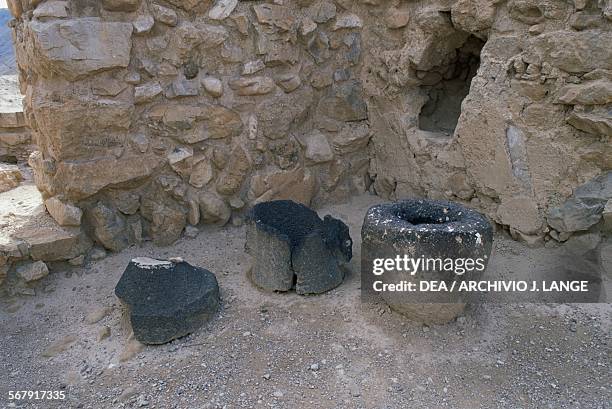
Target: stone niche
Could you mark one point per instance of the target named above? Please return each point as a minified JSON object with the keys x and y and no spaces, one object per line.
{"x":447,"y":85}
{"x":154,"y":115}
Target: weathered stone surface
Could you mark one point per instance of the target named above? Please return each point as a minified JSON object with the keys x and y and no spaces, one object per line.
{"x":180,"y":160}
{"x":53,"y":243}
{"x":276,"y":117}
{"x":473,"y":16}
{"x":297,"y":185}
{"x":289,"y":82}
{"x":322,"y":11}
{"x":10,"y":177}
{"x":428,"y":229}
{"x":344,"y":102}
{"x":396,"y":18}
{"x":121,"y":5}
{"x":167,"y":300}
{"x":575,"y":52}
{"x":201,"y":174}
{"x":522,"y":213}
{"x":164,"y":15}
{"x":607,"y":216}
{"x":167,"y":224}
{"x":275,"y":15}
{"x":347,"y":21}
{"x":590,"y":93}
{"x":64,"y":214}
{"x":143,"y":24}
{"x":109,"y":227}
{"x":585,"y":208}
{"x":596,"y":121}
{"x":351,"y":138}
{"x":213,"y":86}
{"x":232,"y":177}
{"x":253,"y":86}
{"x":82,"y":179}
{"x":51,"y":9}
{"x":222,"y":9}
{"x":317,"y":148}
{"x":213,"y":209}
{"x":575,"y":215}
{"x":33,"y":271}
{"x":78,"y":47}
{"x":185,"y":4}
{"x":147,"y":92}
{"x":293,"y":248}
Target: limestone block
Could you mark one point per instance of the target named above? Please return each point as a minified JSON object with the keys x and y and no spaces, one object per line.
{"x":54,"y":243}
{"x":33,"y":271}
{"x":596,"y":121}
{"x":279,"y":16}
{"x":575,"y":52}
{"x":64,"y":214}
{"x":51,"y":9}
{"x":347,"y":21}
{"x":222,"y":9}
{"x":344,"y":102}
{"x":589,"y":93}
{"x":253,"y":86}
{"x":79,"y":180}
{"x":213,"y":209}
{"x":164,"y":15}
{"x":234,"y":173}
{"x":121,"y":5}
{"x":79,"y":47}
{"x":297,"y":185}
{"x":317,"y":148}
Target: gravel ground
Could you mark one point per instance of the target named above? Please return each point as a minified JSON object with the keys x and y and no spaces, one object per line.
{"x":287,"y":351}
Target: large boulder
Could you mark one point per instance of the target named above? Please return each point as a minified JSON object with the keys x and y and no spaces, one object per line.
{"x":167,"y":300}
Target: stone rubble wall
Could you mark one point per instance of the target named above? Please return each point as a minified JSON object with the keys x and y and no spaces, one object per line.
{"x":154,"y":115}
{"x":15,"y":137}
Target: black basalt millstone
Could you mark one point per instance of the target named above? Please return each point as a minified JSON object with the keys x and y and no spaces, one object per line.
{"x":428,"y":229}
{"x":293,"y":248}
{"x":167,"y":300}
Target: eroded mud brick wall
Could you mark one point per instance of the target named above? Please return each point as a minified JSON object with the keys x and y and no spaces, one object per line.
{"x":151,"y":115}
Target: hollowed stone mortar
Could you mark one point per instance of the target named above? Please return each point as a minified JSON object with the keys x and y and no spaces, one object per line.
{"x":167,"y":300}
{"x":292,"y":248}
{"x":430,"y":229}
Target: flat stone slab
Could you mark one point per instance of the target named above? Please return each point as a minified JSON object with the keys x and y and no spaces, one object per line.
{"x":423,"y":229}
{"x":293,"y":248}
{"x":167,"y":300}
{"x":27,"y":230}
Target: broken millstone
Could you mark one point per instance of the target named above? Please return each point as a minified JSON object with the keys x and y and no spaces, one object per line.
{"x":426,"y":230}
{"x":167,"y":300}
{"x":293,"y":248}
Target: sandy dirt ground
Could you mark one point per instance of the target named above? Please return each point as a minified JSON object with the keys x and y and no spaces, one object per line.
{"x":287,"y":351}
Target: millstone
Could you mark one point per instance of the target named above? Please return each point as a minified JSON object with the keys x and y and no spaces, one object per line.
{"x":293,"y":248}
{"x":167,"y":300}
{"x":426,"y":229}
